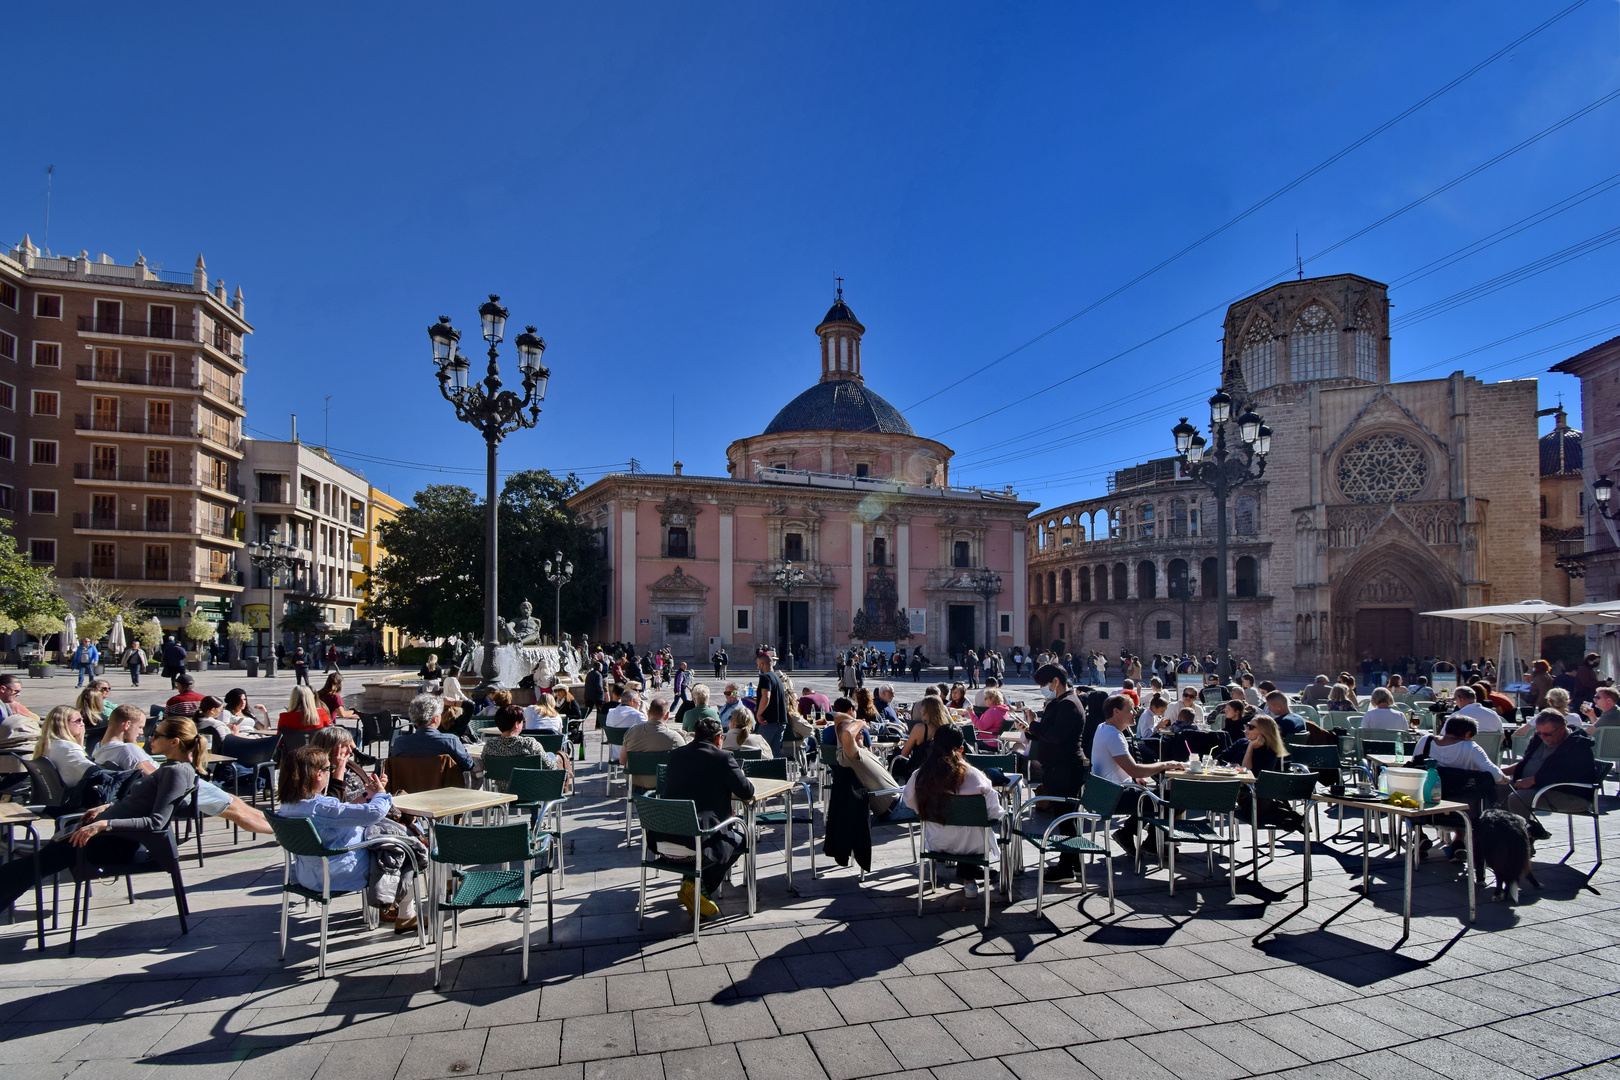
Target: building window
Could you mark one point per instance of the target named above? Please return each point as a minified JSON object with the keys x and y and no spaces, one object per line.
{"x":1178,"y":517}
{"x":103,"y":511}
{"x":47,"y":354}
{"x":105,"y":365}
{"x":793,"y":547}
{"x":677,"y":625}
{"x":42,"y":551}
{"x":1161,"y":629}
{"x":47,"y":403}
{"x":8,"y":450}
{"x":1258,"y":356}
{"x":1102,"y":631}
{"x":158,"y":465}
{"x":160,"y":321}
{"x":1314,"y":346}
{"x":157,"y":562}
{"x":41,"y":501}
{"x":1231,"y":630}
{"x":1147,"y":580}
{"x":1544,"y":506}
{"x":1366,"y":346}
{"x":1248,"y":577}
{"x":8,"y":345}
{"x":159,"y":417}
{"x":880,"y":551}
{"x":1068,"y":588}
{"x":677,"y":545}
{"x":8,"y":497}
{"x":1005,"y":623}
{"x":8,"y":295}
{"x":863,"y":470}
{"x":42,"y":451}
{"x":741,"y":621}
{"x":160,"y":369}
{"x":109,"y":317}
{"x":104,"y":560}
{"x":1244,"y":515}
{"x":961,"y":554}
{"x":47,"y":306}
{"x":1206,"y":586}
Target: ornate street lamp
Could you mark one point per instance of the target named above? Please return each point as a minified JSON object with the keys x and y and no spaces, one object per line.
{"x":274,"y":557}
{"x":497,"y":413}
{"x":788,"y":578}
{"x":988,"y":585}
{"x":1182,"y":589}
{"x":559,"y":573}
{"x":1222,"y":472}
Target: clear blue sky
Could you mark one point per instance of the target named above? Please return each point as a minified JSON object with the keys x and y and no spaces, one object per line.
{"x":667,"y":190}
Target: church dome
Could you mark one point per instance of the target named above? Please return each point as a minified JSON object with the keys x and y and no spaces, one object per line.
{"x":840,"y":312}
{"x":1561,"y":449}
{"x":839,"y":405}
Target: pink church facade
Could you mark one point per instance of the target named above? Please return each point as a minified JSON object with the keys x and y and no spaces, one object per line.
{"x":838,"y":487}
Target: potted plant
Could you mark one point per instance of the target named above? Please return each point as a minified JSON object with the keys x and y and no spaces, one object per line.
{"x":41,"y":627}
{"x":200,"y":631}
{"x":239,"y":634}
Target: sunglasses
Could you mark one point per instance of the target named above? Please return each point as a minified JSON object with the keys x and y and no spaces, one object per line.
{"x":1247,"y":727}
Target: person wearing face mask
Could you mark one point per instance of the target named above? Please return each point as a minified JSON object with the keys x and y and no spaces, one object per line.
{"x":1057,"y":736}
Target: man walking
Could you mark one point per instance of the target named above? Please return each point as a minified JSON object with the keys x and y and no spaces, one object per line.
{"x":771,"y":714}
{"x":174,"y":659}
{"x":84,"y":660}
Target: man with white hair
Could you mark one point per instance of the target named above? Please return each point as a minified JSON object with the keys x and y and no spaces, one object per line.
{"x":425,"y":739}
{"x":627,"y":713}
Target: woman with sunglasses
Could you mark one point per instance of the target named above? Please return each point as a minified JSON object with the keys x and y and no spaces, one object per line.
{"x":1265,"y":750}
{"x":61,"y":742}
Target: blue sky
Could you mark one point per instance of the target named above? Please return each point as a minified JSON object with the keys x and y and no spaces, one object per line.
{"x":667,"y":190}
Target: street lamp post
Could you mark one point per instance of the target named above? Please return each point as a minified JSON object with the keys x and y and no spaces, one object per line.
{"x":497,"y":413}
{"x":1182,"y":590}
{"x":274,"y":557}
{"x":987,"y":585}
{"x":1222,"y":472}
{"x":559,"y":573}
{"x":788,"y":578}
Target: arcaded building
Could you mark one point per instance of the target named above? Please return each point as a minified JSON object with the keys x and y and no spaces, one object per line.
{"x":839,"y":486}
{"x":1380,"y":501}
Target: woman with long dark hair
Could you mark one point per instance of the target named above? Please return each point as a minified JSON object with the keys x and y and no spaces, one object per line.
{"x":943,"y":774}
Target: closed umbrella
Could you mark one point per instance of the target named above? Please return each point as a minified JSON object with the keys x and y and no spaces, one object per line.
{"x":115,"y":636}
{"x":1609,"y":653}
{"x":1507,"y":660}
{"x":70,"y":635}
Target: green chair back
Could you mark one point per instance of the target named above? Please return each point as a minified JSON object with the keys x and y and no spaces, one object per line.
{"x":1286,"y":786}
{"x":1215,"y":796}
{"x":1601,"y":770}
{"x":671,"y":817}
{"x":829,"y":754}
{"x":614,"y":736}
{"x":1295,"y":740}
{"x":477,"y":845}
{"x":1491,"y":743}
{"x":1315,"y":757}
{"x":766,"y":769}
{"x":967,"y":810}
{"x":1100,"y":796}
{"x":645,"y":762}
{"x":1007,"y":763}
{"x":1606,"y":742}
{"x":552,"y":741}
{"x":747,"y":753}
{"x":1308,"y":712}
{"x":298,"y":835}
{"x":499,"y":767}
{"x":537,"y":785}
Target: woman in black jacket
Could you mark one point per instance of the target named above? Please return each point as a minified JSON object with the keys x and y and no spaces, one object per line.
{"x":146,"y":807}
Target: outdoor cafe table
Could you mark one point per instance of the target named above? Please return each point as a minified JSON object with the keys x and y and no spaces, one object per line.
{"x":763,"y":790}
{"x":446,"y":802}
{"x":14,"y":816}
{"x":1412,"y":817}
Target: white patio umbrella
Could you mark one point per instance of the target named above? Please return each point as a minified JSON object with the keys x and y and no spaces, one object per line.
{"x":1507,"y":659}
{"x":1532,"y":613}
{"x":70,"y":634}
{"x":115,"y":636}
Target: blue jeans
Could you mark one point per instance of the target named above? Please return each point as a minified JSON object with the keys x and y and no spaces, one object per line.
{"x":772,"y":734}
{"x":86,"y":671}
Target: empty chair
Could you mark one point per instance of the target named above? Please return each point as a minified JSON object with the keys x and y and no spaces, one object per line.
{"x":540,"y":793}
{"x":1212,"y":797}
{"x":457,"y":846}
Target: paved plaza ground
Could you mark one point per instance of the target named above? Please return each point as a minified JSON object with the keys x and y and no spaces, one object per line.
{"x":840,"y":981}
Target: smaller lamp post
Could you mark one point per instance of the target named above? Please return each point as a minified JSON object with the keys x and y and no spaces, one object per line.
{"x":988,"y":585}
{"x":788,"y":578}
{"x":559,"y":573}
{"x":274,"y":557}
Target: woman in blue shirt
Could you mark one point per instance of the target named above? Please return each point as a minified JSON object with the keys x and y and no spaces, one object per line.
{"x":339,"y":824}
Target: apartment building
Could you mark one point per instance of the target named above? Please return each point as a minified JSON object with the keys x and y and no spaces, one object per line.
{"x":303,"y":494}
{"x":380,"y":507}
{"x":121,"y":415}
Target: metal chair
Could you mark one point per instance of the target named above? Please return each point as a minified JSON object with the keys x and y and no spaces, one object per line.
{"x":483,"y":845}
{"x":540,"y":793}
{"x":1590,"y":792}
{"x":1100,"y":799}
{"x":1606,"y":744}
{"x":673,"y":818}
{"x":550,"y":741}
{"x":297,"y":837}
{"x":1285,"y":787}
{"x":612,"y":739}
{"x":375,"y":728}
{"x":967,"y":811}
{"x":498,"y":768}
{"x":163,"y":856}
{"x":1210,"y":796}
{"x":1491,"y":743}
{"x":639,"y":763}
{"x":777,"y":769}
{"x":258,"y":755}
{"x":749,"y":753}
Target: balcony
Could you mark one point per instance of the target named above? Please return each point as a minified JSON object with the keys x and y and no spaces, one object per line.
{"x":220,"y":438}
{"x":135,"y":474}
{"x":217,"y":388}
{"x":127,"y":425}
{"x":160,"y":329}
{"x":137,"y":572}
{"x":128,"y":523}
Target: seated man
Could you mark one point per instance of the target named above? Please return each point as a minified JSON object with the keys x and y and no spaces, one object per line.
{"x":1488,"y":719}
{"x":187,"y":701}
{"x":1605,"y":710}
{"x":425,"y":740}
{"x":1556,"y":755}
{"x":1111,"y":760}
{"x":1421,"y":691}
{"x":710,"y":778}
{"x":652,"y":735}
{"x":19,"y":725}
{"x":812,"y":702}
{"x":627,"y":713}
{"x":1288,"y":723}
{"x":1317,"y":693}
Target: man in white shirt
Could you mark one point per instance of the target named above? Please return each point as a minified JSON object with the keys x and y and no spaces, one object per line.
{"x":1383,"y":715}
{"x":1111,"y":760}
{"x":1468,"y":705}
{"x":627,"y":713}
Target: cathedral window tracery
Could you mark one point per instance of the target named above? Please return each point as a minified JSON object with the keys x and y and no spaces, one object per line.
{"x":1383,"y":468}
{"x":1314,"y":346}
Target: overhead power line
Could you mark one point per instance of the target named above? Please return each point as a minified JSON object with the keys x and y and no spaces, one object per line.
{"x":1273,"y":197}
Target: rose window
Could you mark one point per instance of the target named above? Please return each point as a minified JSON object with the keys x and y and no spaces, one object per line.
{"x":1383,"y":468}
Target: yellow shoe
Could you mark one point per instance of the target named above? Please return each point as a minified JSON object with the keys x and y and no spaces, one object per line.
{"x":686,"y":896}
{"x":708,"y":908}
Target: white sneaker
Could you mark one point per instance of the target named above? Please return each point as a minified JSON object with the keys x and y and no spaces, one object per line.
{"x":971,"y":890}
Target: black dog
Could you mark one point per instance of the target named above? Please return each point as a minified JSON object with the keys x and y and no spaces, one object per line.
{"x":1502,"y":843}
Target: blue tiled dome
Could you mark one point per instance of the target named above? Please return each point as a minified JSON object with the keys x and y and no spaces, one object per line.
{"x":839,"y":405}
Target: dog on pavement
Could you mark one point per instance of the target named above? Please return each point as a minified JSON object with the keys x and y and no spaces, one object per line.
{"x":1502,"y":843}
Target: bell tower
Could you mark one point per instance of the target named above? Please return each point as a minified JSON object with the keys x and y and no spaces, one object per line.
{"x":840,"y":335}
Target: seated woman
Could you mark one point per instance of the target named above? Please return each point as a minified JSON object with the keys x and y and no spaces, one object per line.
{"x":511,"y":742}
{"x":943,"y":774}
{"x":240,"y":715}
{"x":568,"y":707}
{"x":958,"y":699}
{"x":928,"y":718}
{"x":145,"y":807}
{"x":1235,"y":718}
{"x":331,"y":697}
{"x":303,"y":713}
{"x":1339,"y":699}
{"x":120,"y":748}
{"x":210,"y":716}
{"x":740,"y":733}
{"x":988,"y":723}
{"x":698,"y":708}
{"x":543,"y":715}
{"x":391,"y":873}
{"x":61,"y":742}
{"x":1265,"y":751}
{"x":302,"y":788}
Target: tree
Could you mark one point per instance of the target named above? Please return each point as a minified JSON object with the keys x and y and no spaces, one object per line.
{"x":94,"y":627}
{"x":147,"y":633}
{"x":430,"y":582}
{"x":200,"y":629}
{"x":239,"y":632}
{"x":41,"y":626}
{"x":107,"y":601}
{"x":304,"y":618}
{"x":26,"y":589}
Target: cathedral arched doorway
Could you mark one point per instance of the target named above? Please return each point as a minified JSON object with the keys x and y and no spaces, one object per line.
{"x":1377,"y":604}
